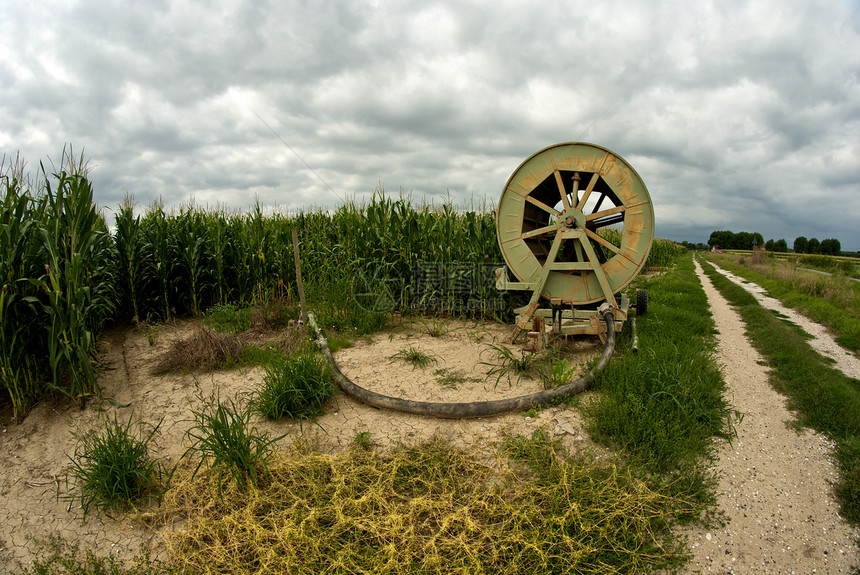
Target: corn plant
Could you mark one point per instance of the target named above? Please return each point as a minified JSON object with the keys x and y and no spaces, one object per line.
{"x":19,"y":257}
{"x":157,"y":251}
{"x":219,"y":240}
{"x":77,"y":280}
{"x":129,"y":247}
{"x":663,"y":253}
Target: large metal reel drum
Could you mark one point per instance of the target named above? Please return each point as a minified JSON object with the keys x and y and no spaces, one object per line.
{"x":551,"y":210}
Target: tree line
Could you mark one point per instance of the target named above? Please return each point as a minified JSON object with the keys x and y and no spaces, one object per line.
{"x":747,"y":241}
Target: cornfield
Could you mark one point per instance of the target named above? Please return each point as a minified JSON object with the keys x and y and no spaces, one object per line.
{"x":64,"y":273}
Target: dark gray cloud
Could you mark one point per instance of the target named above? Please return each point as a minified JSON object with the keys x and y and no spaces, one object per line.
{"x":738,"y":115}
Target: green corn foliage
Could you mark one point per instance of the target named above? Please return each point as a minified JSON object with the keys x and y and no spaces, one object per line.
{"x":77,"y":280}
{"x":58,"y":281}
{"x":663,"y":253}
{"x":19,"y":257}
{"x":129,"y":250}
{"x":157,"y":250}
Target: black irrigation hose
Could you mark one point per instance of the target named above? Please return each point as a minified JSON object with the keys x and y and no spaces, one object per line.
{"x":474,"y":408}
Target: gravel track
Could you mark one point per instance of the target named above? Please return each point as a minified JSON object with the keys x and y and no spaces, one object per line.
{"x":822,"y":341}
{"x":774,"y":483}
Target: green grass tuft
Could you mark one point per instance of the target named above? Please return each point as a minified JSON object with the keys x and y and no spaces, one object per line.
{"x":436,"y":327}
{"x":508,"y":363}
{"x":228,"y":318}
{"x":225,"y":440}
{"x":415,"y":356}
{"x":556,"y":373}
{"x":112,"y":468}
{"x":296,"y":387}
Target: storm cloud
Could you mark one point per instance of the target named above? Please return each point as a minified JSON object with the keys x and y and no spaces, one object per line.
{"x":738,"y":115}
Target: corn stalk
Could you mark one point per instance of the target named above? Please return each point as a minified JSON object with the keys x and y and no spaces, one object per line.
{"x":77,"y":281}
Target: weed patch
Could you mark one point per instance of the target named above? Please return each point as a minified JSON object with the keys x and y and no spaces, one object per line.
{"x":426,"y":509}
{"x":59,"y":556}
{"x":225,"y":440}
{"x":415,"y":356}
{"x":228,"y":318}
{"x":507,"y":363}
{"x":558,"y":372}
{"x":453,"y":378}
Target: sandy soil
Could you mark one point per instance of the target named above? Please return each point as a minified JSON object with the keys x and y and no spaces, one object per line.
{"x":34,"y":454}
{"x":775,"y":483}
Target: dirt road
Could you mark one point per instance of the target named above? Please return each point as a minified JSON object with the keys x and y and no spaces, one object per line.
{"x":775,"y":483}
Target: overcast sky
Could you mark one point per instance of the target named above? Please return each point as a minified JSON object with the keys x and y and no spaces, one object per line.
{"x":738,"y":115}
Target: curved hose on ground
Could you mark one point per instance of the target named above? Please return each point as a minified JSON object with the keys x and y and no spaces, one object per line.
{"x":470,"y":409}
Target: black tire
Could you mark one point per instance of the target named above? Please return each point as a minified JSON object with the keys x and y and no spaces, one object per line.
{"x":641,"y":302}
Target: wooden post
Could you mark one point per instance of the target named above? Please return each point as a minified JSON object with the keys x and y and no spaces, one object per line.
{"x":298,"y":260}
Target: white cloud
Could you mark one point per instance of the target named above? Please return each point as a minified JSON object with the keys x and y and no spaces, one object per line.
{"x":738,"y":114}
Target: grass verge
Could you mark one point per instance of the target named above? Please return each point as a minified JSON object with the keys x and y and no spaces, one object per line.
{"x":833,"y":301}
{"x":823,"y":397}
{"x":663,"y":405}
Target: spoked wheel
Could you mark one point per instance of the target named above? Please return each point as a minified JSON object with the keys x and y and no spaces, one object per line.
{"x":579,"y":215}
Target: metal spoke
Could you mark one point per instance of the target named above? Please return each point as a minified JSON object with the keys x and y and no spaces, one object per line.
{"x":565,"y":202}
{"x":596,"y":216}
{"x":611,"y":221}
{"x":602,"y":241}
{"x":588,"y":190}
{"x":599,"y":201}
{"x":539,"y":232}
{"x":543,"y":206}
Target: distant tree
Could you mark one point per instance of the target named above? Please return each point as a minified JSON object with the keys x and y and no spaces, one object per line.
{"x":780,"y":246}
{"x":768,"y":245}
{"x":814,"y":246}
{"x":831,"y":247}
{"x":801,"y":244}
{"x":735,"y":241}
{"x":743,"y":241}
{"x":758,"y":241}
{"x":723,"y":239}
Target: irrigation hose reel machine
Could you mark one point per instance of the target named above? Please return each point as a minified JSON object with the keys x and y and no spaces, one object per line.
{"x":548,"y":225}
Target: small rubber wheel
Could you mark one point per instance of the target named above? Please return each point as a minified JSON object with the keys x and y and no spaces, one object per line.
{"x":641,"y":302}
